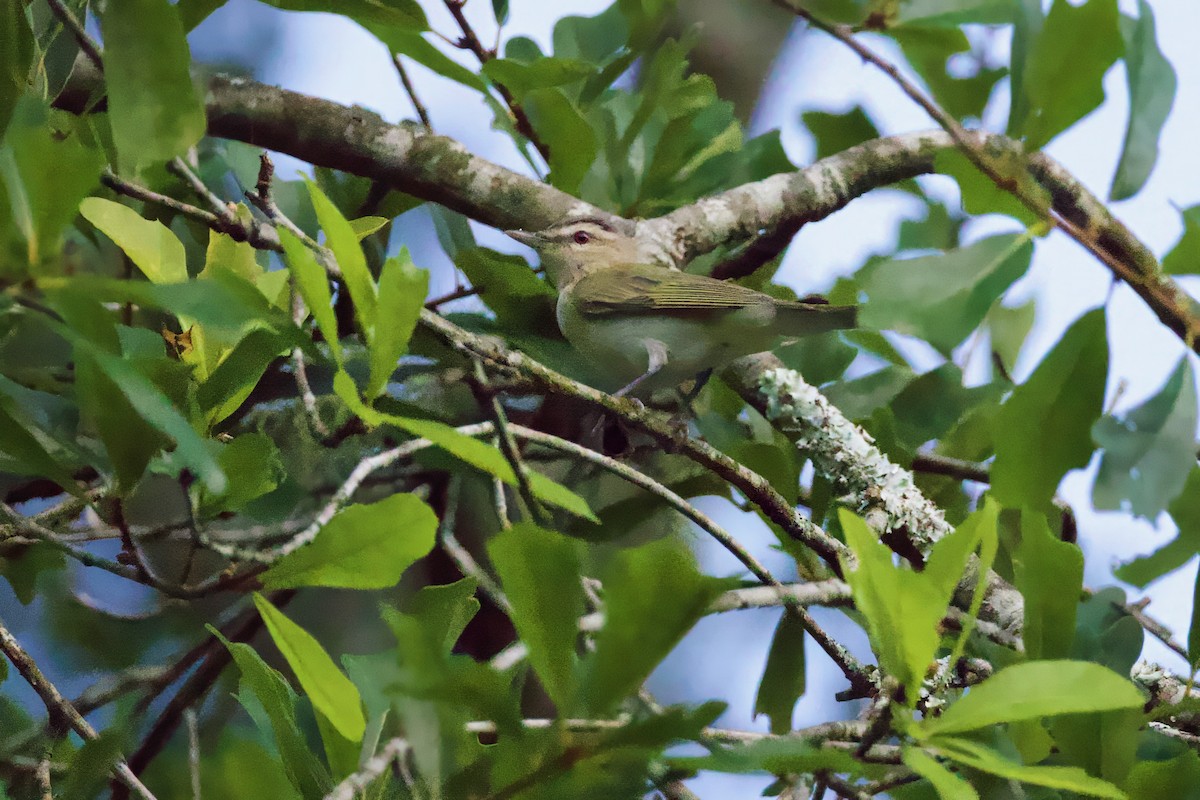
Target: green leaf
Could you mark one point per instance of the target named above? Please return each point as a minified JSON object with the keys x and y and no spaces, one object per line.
{"x":541,"y":572}
{"x":1185,"y":511}
{"x":402,"y":14}
{"x":1064,"y":74}
{"x":412,"y":44}
{"x":153,"y":108}
{"x":1173,"y":779}
{"x":947,"y":785}
{"x":224,"y":391}
{"x":782,"y":682}
{"x":834,"y":133}
{"x":402,"y":290}
{"x":942,"y":298}
{"x":93,"y":765}
{"x":903,"y":608}
{"x":16,"y":53}
{"x":478,"y":454}
{"x":277,"y":699}
{"x":156,"y":251}
{"x":1106,"y":633}
{"x":1065,"y":394}
{"x":928,"y":48}
{"x":1104,"y":744}
{"x":779,"y":756}
{"x":254,"y":465}
{"x":1152,"y":85}
{"x":47,"y":166}
{"x":653,"y":595}
{"x":1184,"y":257}
{"x":521,"y":77}
{"x":1008,"y":329}
{"x":973,"y":754}
{"x":1032,"y":690}
{"x":341,"y":239}
{"x":152,"y":405}
{"x":365,"y":546}
{"x":330,"y":691}
{"x":569,"y":137}
{"x":983,"y":194}
{"x":19,"y":440}
{"x":500,"y":10}
{"x":1148,"y":451}
{"x":445,"y":607}
{"x":520,"y":299}
{"x":1049,"y":574}
{"x":365,"y":226}
{"x":313,"y":287}
{"x":952,"y":13}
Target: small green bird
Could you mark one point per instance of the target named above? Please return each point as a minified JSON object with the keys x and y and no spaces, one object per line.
{"x":653,"y":327}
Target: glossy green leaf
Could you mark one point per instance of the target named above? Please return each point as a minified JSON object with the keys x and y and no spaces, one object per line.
{"x":1152,"y":85}
{"x":278,"y":701}
{"x":1064,"y":74}
{"x":1184,"y":257}
{"x":1065,"y":394}
{"x":47,"y":167}
{"x":1185,"y":512}
{"x":341,"y":239}
{"x":979,"y":756}
{"x":150,"y":245}
{"x":364,"y":546}
{"x":783,"y":679}
{"x":313,"y":287}
{"x":1049,"y":574}
{"x":402,"y":290}
{"x":153,"y":108}
{"x":540,"y":572}
{"x":1148,"y":451}
{"x":365,"y":226}
{"x":947,"y":785}
{"x":903,"y":608}
{"x":942,"y":298}
{"x":569,"y":137}
{"x":1036,"y":689}
{"x":330,"y":691}
{"x":653,"y":595}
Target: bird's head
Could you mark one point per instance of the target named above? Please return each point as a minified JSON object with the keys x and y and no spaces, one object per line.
{"x":578,"y":246}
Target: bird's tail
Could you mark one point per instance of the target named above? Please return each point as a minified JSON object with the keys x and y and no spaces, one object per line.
{"x":806,"y":319}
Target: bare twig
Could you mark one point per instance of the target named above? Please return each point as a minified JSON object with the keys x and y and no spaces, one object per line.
{"x":59,"y":707}
{"x":193,"y":731}
{"x":490,"y":400}
{"x":410,"y":90}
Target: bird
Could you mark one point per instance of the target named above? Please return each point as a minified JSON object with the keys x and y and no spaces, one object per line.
{"x":650,"y":327}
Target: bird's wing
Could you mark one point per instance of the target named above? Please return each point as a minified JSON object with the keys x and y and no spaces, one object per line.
{"x":636,"y":288}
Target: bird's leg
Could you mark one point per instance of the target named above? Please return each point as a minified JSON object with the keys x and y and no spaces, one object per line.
{"x":656,"y":353}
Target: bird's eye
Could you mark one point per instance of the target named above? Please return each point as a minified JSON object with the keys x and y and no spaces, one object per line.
{"x":582,"y":237}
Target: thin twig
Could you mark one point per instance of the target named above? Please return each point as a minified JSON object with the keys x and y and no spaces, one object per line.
{"x":357,"y":782}
{"x":86,"y":43}
{"x":470,"y":41}
{"x":410,"y":90}
{"x":58,"y":706}
{"x":462,"y":557}
{"x":490,"y":400}
{"x":1162,"y":298}
{"x":193,"y":732}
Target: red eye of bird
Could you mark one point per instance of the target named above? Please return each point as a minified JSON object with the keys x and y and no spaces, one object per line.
{"x":582,"y":237}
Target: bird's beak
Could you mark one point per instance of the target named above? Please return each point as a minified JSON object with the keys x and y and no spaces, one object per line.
{"x":525,"y":237}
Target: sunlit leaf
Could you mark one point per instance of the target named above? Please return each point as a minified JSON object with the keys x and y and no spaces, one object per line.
{"x":364,"y":546}
{"x":330,"y":690}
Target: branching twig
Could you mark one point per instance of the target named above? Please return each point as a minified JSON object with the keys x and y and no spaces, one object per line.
{"x":59,"y":707}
